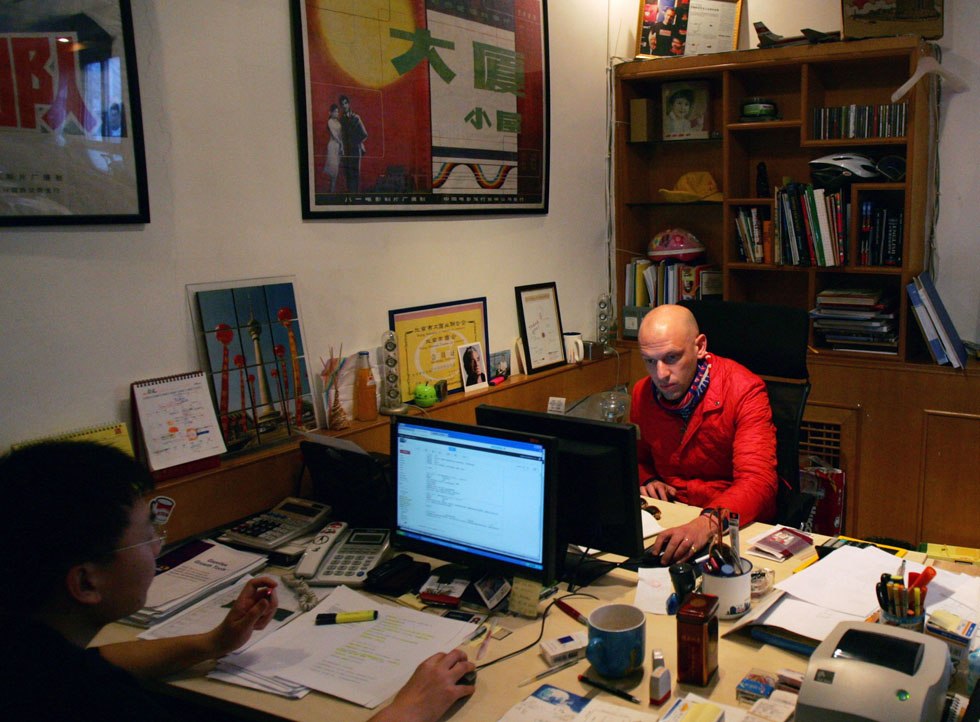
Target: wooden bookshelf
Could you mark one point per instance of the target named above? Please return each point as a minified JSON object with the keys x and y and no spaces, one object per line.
{"x":799,"y":80}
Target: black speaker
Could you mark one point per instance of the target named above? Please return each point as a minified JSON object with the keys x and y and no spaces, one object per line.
{"x":391,"y":393}
{"x":604,"y":318}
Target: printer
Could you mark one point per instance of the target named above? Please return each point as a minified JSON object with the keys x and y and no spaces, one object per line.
{"x":864,"y":672}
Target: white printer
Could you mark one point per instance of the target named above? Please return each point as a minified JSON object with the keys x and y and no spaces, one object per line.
{"x":865,"y":672}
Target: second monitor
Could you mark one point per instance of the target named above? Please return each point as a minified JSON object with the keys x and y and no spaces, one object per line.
{"x":598,"y":486}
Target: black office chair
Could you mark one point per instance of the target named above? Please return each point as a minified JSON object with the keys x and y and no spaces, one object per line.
{"x":770,"y":341}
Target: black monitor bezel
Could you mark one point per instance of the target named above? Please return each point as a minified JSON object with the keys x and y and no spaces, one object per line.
{"x":476,"y":562}
{"x":593,"y":431}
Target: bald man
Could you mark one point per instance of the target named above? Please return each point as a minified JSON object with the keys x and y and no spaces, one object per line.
{"x":706,"y":432}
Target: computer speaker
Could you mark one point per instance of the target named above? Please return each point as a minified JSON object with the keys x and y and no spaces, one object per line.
{"x":604,"y":327}
{"x":391,"y":393}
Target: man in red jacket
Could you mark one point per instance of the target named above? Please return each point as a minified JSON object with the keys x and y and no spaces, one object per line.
{"x":706,"y":432}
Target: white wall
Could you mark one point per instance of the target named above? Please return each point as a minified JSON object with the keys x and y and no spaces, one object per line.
{"x":86,"y":311}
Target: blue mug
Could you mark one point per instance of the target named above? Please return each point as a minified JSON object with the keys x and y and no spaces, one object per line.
{"x":617,"y":639}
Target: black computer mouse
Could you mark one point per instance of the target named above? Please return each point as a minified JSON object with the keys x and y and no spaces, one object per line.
{"x":468,"y":678}
{"x":649,"y":559}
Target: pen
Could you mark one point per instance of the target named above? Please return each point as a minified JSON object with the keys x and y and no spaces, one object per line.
{"x":733,"y":520}
{"x":571,"y":611}
{"x":347,"y":617}
{"x":606,"y":688}
{"x":550,"y":670}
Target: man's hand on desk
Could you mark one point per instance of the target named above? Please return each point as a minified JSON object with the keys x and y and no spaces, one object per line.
{"x":679,"y":543}
{"x":431,"y":689}
{"x":656,"y":489}
{"x":253,"y":609}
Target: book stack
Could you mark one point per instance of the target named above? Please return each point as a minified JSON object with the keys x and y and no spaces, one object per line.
{"x":944,"y":343}
{"x":856,"y":319}
{"x":809,"y":226}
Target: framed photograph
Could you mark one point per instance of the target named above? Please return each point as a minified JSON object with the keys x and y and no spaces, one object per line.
{"x":472,"y":364}
{"x":862,"y":19}
{"x":428,"y":339}
{"x":540,"y":324}
{"x":71,"y":132}
{"x":252,"y":344}
{"x":429,"y":107}
{"x":670,"y":28}
{"x":685,"y":110}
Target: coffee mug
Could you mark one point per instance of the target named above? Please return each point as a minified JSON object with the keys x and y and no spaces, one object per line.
{"x":734,"y":592}
{"x":617,"y":639}
{"x":574,"y":348}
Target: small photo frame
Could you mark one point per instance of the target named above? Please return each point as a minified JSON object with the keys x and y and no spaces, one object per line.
{"x":540,"y":324}
{"x":473,"y":367}
{"x":685,"y":110}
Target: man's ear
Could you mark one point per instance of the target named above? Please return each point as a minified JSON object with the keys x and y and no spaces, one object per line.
{"x":701,"y":344}
{"x":84,"y":583}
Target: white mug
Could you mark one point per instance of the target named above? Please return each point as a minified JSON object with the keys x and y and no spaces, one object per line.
{"x":574,"y":348}
{"x":734,"y":593}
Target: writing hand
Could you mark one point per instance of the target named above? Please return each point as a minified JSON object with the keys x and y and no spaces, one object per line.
{"x":253,"y":609}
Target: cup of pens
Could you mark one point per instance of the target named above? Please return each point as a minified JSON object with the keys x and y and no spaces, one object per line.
{"x":903,"y":605}
{"x":732,"y":586}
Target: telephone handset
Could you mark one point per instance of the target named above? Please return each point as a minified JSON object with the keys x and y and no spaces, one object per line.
{"x":344,"y":561}
{"x":318,"y":548}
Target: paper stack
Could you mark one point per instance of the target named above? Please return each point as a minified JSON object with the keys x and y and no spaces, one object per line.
{"x":190,"y":573}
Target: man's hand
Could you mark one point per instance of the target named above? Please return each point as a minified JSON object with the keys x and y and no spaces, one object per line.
{"x":656,"y":489}
{"x":253,"y":609}
{"x":679,"y":543}
{"x":431,"y":689}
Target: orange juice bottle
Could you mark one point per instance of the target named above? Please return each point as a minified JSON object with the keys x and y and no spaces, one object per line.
{"x":365,"y":390}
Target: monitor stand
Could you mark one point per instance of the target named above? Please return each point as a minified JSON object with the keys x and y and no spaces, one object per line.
{"x":581,"y":570}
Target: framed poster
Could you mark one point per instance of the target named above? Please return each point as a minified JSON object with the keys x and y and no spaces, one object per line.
{"x":428,"y":339}
{"x":251,"y":341}
{"x":670,"y":28}
{"x":71,"y":132}
{"x":421,"y":107}
{"x":540,"y":324}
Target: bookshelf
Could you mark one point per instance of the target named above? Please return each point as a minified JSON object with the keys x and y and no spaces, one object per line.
{"x":802,"y":81}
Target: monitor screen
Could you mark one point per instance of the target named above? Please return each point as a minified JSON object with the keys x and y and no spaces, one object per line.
{"x":483,"y":498}
{"x":598,"y":486}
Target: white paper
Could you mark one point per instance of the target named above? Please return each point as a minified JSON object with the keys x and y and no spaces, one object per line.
{"x":653,"y":588}
{"x":217,"y":564}
{"x":844,"y":580}
{"x":651,"y":526}
{"x":805,"y":619}
{"x":363,"y":662}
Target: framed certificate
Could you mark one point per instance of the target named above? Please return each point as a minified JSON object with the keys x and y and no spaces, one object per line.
{"x":540,"y":322}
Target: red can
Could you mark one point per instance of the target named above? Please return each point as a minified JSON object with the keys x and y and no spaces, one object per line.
{"x":697,"y":639}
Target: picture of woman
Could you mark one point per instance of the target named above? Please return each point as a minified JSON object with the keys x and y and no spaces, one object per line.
{"x":334,"y":147}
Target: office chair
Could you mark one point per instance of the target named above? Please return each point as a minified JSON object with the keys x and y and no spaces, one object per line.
{"x":770,"y":341}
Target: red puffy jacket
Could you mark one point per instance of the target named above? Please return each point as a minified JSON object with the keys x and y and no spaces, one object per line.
{"x":726,"y":457}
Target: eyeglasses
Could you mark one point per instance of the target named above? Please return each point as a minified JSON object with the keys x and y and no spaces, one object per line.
{"x":159,"y":538}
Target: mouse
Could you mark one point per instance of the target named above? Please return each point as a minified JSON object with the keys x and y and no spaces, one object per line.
{"x":649,"y":560}
{"x":468,"y":678}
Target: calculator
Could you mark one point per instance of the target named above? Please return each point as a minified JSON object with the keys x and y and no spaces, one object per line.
{"x":350,"y":559}
{"x":290,"y":518}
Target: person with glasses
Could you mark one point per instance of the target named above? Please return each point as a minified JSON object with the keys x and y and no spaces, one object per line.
{"x":79,"y":552}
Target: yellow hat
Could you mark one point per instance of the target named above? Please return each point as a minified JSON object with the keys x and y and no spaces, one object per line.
{"x":695,"y":186}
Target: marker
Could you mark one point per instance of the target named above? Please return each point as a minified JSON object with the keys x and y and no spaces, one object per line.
{"x":606,"y":688}
{"x":347,"y":617}
{"x":550,"y":670}
{"x":925,"y":576}
{"x":571,"y":611}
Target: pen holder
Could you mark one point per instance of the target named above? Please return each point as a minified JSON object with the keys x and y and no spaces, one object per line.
{"x":913,"y":624}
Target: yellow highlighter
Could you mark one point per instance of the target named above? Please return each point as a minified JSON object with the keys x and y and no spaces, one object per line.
{"x":347,"y":617}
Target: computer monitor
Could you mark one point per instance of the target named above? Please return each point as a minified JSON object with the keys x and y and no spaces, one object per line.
{"x":483,"y":498}
{"x":598,"y":486}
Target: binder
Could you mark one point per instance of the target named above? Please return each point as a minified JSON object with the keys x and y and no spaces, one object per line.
{"x":175,"y":425}
{"x":116,"y":435}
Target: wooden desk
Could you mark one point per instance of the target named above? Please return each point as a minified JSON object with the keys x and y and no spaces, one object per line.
{"x":497,"y":685}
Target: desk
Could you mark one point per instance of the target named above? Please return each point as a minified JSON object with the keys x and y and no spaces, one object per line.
{"x":497,"y":686}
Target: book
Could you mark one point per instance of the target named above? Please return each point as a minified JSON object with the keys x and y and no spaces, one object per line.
{"x":955,"y":348}
{"x":175,"y":424}
{"x":780,"y":543}
{"x":116,"y":435}
{"x":926,"y":325}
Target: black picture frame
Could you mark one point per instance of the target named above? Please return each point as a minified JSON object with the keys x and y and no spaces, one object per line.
{"x":72,"y":142}
{"x":539,"y":317}
{"x":445,"y":104}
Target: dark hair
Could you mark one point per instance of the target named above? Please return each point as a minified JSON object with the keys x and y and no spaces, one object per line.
{"x":470,"y":353}
{"x":64,"y":503}
{"x":333,"y":107}
{"x":342,"y":98}
{"x":678,"y":94}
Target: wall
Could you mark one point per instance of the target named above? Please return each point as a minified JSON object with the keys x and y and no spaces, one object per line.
{"x":88,"y":310}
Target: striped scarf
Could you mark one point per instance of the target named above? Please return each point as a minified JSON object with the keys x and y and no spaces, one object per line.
{"x":684,"y":406}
